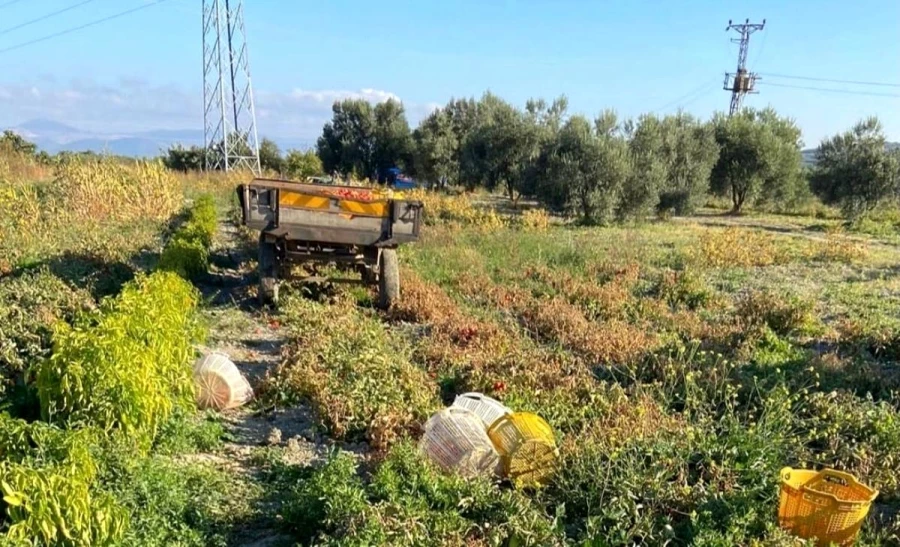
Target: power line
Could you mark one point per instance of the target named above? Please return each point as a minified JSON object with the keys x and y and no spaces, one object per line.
{"x":80,"y":27}
{"x":698,"y":91}
{"x":759,"y":52}
{"x":855,"y":82}
{"x":11,"y":2}
{"x":48,"y":16}
{"x":847,"y":91}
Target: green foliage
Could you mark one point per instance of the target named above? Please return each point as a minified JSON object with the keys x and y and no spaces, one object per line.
{"x":30,"y":304}
{"x":361,"y":139}
{"x":592,"y":165}
{"x":332,"y":496}
{"x":187,"y":432}
{"x":46,"y":479}
{"x":759,"y":156}
{"x":684,"y":288}
{"x":640,"y":193}
{"x":498,"y":151}
{"x":185,"y":256}
{"x":408,"y":502}
{"x":855,"y":171}
{"x":690,"y":152}
{"x":357,"y":377}
{"x":436,"y":149}
{"x":179,"y":158}
{"x":392,"y":141}
{"x":303,"y":164}
{"x":270,"y":156}
{"x":784,"y":314}
{"x":187,"y":252}
{"x":171,"y":503}
{"x":126,"y":366}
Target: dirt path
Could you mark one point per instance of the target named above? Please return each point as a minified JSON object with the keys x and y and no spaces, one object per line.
{"x":252,"y":338}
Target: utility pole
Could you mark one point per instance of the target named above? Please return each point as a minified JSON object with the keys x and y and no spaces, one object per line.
{"x":741,"y":82}
{"x":229,"y":117}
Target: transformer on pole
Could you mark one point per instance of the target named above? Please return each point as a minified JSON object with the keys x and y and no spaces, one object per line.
{"x":229,"y":117}
{"x":741,"y":82}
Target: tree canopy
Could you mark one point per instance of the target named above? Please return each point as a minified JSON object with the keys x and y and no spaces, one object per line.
{"x":854,"y":170}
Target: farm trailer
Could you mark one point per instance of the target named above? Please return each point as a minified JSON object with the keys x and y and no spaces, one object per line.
{"x":353,"y":228}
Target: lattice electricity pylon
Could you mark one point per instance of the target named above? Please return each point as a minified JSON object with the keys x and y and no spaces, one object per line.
{"x":229,"y":117}
{"x":741,"y":82}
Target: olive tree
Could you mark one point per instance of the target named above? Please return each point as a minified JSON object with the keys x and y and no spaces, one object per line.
{"x":592,"y":164}
{"x":854,"y":170}
{"x":640,"y":192}
{"x":689,"y":151}
{"x":302,"y":164}
{"x":759,"y":154}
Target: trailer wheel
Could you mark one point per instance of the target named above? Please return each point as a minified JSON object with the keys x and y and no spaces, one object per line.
{"x":268,"y":273}
{"x":388,"y":279}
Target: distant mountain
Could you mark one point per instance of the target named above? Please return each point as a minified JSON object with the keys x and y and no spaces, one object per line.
{"x":809,"y":155}
{"x":55,"y":137}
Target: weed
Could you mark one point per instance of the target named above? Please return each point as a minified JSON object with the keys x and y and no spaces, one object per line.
{"x":408,"y":502}
{"x":186,"y":432}
{"x":170,"y":502}
{"x":358,"y":379}
{"x":737,"y":247}
{"x":683,"y":289}
{"x":784,"y":314}
{"x":535,"y":219}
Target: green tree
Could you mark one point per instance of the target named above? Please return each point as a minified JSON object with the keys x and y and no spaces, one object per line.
{"x":498,"y":151}
{"x":592,"y":165}
{"x":690,"y":151}
{"x":299,"y":164}
{"x":17,"y":143}
{"x":546,"y":120}
{"x":640,"y":193}
{"x":759,"y":156}
{"x":347,"y":142}
{"x":854,"y":170}
{"x":270,"y":156}
{"x":393,"y":144}
{"x":183,"y":159}
{"x":436,"y":149}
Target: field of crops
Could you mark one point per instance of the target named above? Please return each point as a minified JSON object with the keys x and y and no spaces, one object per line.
{"x":681,"y":364}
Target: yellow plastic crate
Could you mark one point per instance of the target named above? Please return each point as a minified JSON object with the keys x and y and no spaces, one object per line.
{"x":526,"y":446}
{"x":827,"y":505}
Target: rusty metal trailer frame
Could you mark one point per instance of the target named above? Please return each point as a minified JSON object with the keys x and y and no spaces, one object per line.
{"x":303,"y":223}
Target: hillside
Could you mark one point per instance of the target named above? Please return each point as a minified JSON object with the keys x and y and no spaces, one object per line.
{"x":809,"y":155}
{"x":54,"y":137}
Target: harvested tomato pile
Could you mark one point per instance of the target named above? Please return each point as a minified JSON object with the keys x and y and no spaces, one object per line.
{"x":351,"y":194}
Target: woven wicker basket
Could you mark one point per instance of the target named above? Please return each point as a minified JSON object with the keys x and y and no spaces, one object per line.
{"x":455,"y":440}
{"x":488,"y":409}
{"x":220,"y":385}
{"x":526,"y":446}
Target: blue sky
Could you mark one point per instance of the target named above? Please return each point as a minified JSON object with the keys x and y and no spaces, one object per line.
{"x":143,"y":71}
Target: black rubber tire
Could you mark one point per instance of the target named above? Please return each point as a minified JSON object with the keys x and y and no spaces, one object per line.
{"x":268,"y":273}
{"x":388,"y":279}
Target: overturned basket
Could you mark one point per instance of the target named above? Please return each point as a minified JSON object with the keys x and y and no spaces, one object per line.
{"x":219,"y":384}
{"x":827,"y":505}
{"x":527,"y":447}
{"x":488,"y":409}
{"x":455,"y":439}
